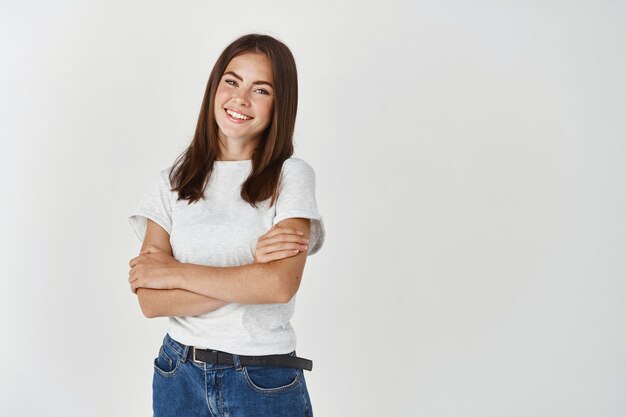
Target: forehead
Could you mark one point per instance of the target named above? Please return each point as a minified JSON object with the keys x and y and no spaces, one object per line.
{"x":251,"y":66}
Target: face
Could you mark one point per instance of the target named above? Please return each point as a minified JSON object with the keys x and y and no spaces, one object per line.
{"x":244,"y":100}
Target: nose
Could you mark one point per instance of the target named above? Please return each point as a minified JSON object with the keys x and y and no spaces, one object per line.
{"x":241,"y":99}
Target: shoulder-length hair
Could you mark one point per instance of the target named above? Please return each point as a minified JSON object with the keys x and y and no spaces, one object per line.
{"x":191,"y":171}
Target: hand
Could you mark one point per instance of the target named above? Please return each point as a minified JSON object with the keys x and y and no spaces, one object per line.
{"x":278,"y":243}
{"x":153,"y":268}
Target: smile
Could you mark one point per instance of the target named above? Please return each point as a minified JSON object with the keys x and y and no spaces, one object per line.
{"x":237,"y":116}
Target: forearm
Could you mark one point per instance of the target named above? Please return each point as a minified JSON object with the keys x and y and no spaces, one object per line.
{"x":254,"y":283}
{"x":175,"y":302}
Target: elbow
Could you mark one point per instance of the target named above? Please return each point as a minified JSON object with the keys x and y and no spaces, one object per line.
{"x":148,"y":314}
{"x":285,"y":282}
{"x":283,"y":298}
{"x":144,"y":303}
{"x":287,"y":288}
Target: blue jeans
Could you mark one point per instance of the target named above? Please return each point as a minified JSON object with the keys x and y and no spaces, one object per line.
{"x":182,"y":387}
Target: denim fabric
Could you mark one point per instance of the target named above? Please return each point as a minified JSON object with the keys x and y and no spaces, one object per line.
{"x":182,"y":387}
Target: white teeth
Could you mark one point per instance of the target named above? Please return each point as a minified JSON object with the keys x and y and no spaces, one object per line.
{"x":237,"y":115}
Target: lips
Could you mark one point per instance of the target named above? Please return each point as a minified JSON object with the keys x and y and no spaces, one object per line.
{"x":236,"y":116}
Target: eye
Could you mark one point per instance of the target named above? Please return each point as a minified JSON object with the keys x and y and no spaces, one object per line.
{"x":231,"y":82}
{"x":262,"y":91}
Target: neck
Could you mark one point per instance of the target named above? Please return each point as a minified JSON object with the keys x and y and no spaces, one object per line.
{"x":237,"y":149}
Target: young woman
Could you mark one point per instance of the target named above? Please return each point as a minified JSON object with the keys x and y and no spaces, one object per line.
{"x":226,"y":231}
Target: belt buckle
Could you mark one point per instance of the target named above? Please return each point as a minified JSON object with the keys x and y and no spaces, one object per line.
{"x":193,"y":354}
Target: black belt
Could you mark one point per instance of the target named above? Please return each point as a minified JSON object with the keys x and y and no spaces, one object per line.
{"x":217,"y":357}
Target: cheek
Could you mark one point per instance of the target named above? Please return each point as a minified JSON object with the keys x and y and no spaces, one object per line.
{"x":218,"y":102}
{"x":221,"y":95}
{"x":267,"y":109}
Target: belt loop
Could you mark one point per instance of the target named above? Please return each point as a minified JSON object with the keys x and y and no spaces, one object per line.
{"x":236,"y":362}
{"x":185,"y":353}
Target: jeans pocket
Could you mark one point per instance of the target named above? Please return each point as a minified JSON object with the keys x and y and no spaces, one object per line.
{"x":167,"y":362}
{"x":269,"y":379}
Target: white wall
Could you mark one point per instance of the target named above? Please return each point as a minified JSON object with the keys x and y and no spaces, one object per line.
{"x":470,"y":162}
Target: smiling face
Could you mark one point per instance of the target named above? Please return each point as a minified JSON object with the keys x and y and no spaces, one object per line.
{"x":244,"y":99}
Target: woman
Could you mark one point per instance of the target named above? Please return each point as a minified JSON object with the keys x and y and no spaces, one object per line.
{"x":225,"y":232}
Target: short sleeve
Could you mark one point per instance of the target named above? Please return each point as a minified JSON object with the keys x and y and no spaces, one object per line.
{"x":156,"y":205}
{"x":296,"y":198}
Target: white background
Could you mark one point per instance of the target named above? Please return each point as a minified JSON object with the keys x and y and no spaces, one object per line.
{"x":470,"y":161}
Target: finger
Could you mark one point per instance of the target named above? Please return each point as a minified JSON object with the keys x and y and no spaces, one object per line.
{"x":133,"y":274}
{"x":292,"y":230}
{"x":288,"y":253}
{"x":286,"y":230}
{"x":289,"y":239}
{"x":136,"y":259}
{"x":286,"y":237}
{"x":274,"y":256}
{"x":136,"y":284}
{"x":281,"y":246}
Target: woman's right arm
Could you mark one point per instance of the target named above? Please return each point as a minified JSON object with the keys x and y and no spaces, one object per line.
{"x":175,"y":302}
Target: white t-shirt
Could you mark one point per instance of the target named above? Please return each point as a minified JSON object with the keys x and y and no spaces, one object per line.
{"x":222,"y":230}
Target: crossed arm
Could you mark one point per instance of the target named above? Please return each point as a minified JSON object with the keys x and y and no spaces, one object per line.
{"x":171,"y":288}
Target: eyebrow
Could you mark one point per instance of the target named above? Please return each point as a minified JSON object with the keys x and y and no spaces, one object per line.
{"x":241,"y":79}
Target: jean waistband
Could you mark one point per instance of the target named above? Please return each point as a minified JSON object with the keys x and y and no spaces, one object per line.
{"x":185,"y":350}
{"x":216,"y":359}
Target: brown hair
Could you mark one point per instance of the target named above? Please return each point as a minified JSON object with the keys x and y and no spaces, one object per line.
{"x":192,"y":168}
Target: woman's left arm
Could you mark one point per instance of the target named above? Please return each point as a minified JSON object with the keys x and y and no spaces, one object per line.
{"x":257,"y":283}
